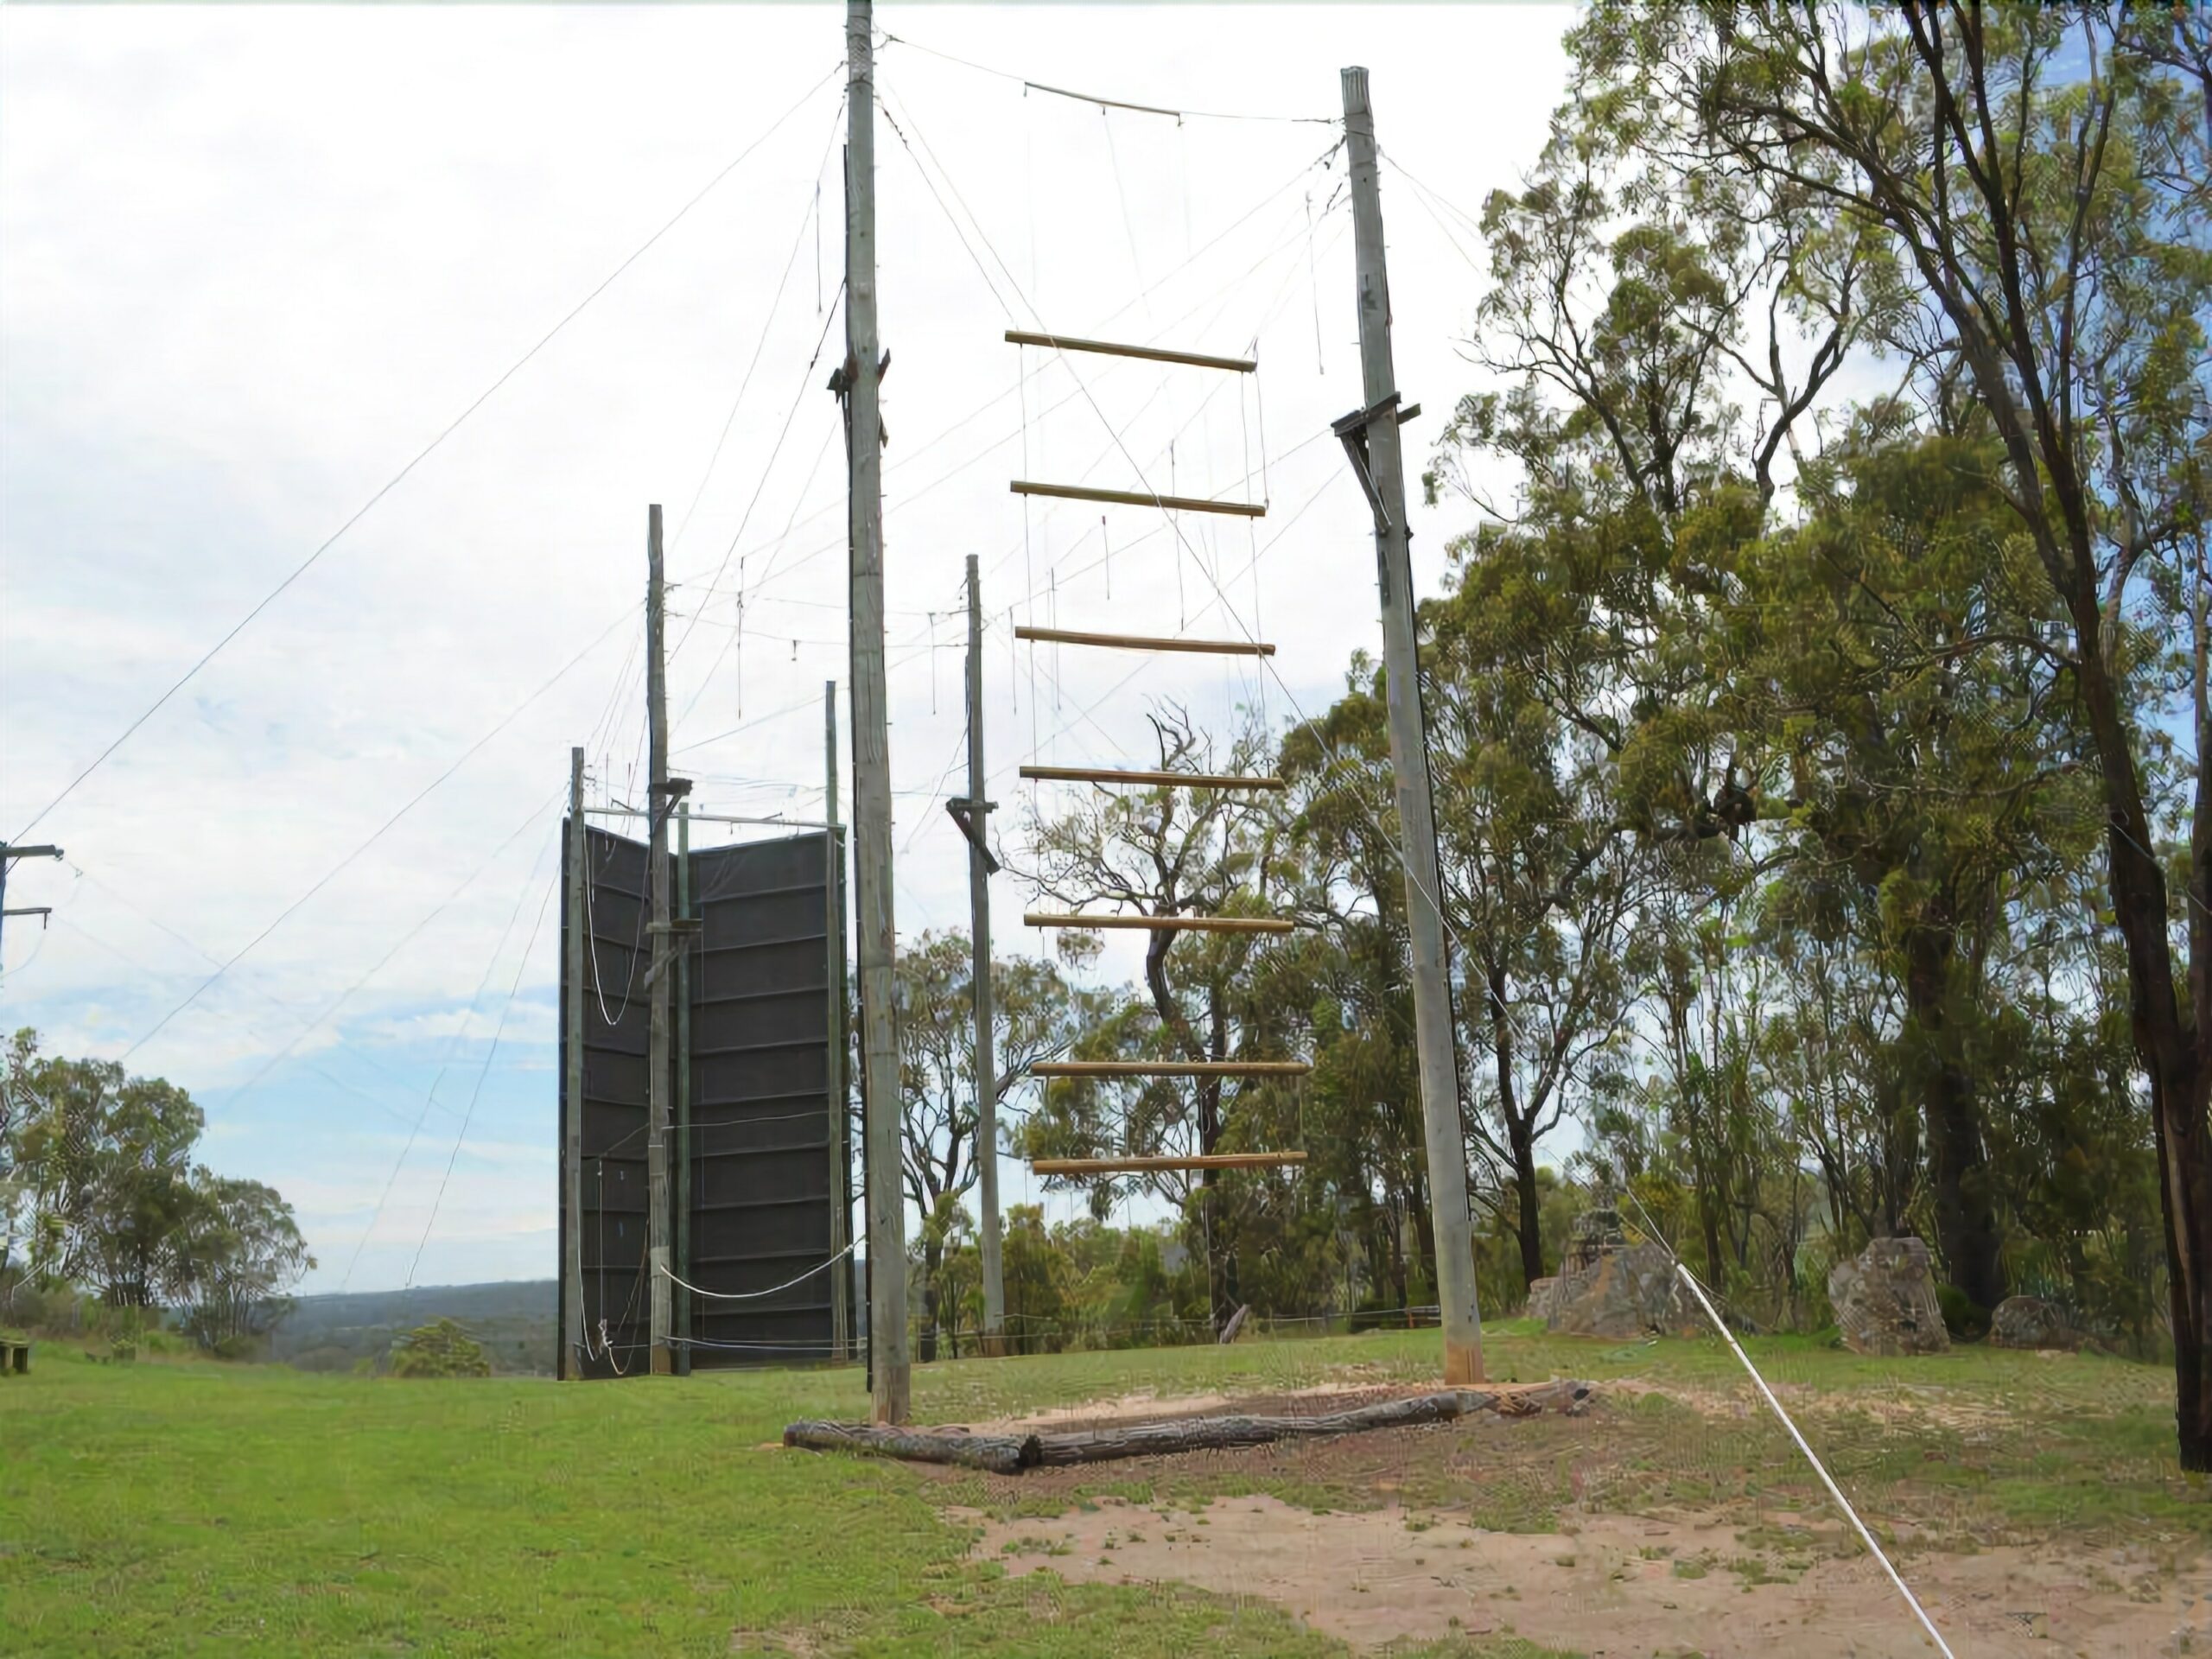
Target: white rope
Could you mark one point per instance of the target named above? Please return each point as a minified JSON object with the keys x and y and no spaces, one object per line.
{"x":753,"y":1295}
{"x":1834,"y":1491}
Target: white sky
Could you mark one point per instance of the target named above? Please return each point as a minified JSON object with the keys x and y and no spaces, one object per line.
{"x":253,"y":260}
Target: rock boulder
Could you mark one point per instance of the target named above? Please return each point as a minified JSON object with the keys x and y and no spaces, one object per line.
{"x":1885,"y":1300}
{"x":2031,"y":1322}
{"x":1540,"y":1298}
{"x":1608,"y":1288}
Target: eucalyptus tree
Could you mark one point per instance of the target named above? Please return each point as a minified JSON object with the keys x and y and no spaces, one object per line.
{"x":2041,"y":172}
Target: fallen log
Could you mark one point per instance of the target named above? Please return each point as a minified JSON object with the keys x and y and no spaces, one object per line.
{"x":1011,"y":1454}
{"x":998,"y":1454}
{"x":1222,"y":1433}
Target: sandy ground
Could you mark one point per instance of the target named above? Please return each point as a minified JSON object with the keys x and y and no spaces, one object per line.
{"x":1615,"y":1585}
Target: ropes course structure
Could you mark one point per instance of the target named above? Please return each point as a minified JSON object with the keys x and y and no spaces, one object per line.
{"x":1166,"y":925}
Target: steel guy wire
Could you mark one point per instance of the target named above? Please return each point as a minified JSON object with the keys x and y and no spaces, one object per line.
{"x":453,"y":1045}
{"x":1115,"y":103}
{"x":344,"y":863}
{"x":767,"y":323}
{"x":522,"y":966}
{"x":421,"y":456}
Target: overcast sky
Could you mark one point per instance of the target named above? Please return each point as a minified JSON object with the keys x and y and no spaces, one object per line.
{"x":253,"y":260}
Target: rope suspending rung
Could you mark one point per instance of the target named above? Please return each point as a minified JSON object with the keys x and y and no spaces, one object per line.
{"x":1140,"y":498}
{"x":1167,"y":924}
{"x":1173,"y":779}
{"x":1142,"y":642}
{"x":1150,"y":353}
{"x":1142,"y":1165}
{"x":1169,"y":1069}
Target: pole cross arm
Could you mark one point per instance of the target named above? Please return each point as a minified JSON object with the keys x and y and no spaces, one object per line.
{"x":7,"y":851}
{"x":1352,"y":430}
{"x":29,"y":910}
{"x":965,"y":813}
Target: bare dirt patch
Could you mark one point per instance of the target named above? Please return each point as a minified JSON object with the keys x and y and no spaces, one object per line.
{"x":1611,"y":1585}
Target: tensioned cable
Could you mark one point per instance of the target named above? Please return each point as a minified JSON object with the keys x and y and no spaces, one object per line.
{"x":336,"y":870}
{"x":754,"y":1295}
{"x":522,"y":967}
{"x":1690,"y":1280}
{"x":453,"y":1046}
{"x":985,"y":408}
{"x":422,"y":455}
{"x":1113,"y":103}
{"x":767,"y":324}
{"x":330,"y":1012}
{"x":131,"y":962}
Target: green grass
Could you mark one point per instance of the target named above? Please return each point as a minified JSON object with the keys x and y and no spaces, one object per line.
{"x":185,"y":1509}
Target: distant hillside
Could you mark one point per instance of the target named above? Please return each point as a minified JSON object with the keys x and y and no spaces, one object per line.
{"x":513,"y":1319}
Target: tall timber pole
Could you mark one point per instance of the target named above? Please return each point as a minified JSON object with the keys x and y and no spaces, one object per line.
{"x":1370,"y":434}
{"x":660,"y":1068}
{"x":572,"y":1081}
{"x":979,"y":911}
{"x":886,"y":1215}
{"x":833,"y":930}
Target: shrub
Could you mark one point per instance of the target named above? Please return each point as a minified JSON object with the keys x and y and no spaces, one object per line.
{"x":1966,"y":1320}
{"x":439,"y":1349}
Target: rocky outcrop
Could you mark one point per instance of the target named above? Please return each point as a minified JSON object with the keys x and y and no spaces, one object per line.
{"x":1541,"y":1295}
{"x":2031,"y":1322}
{"x":1885,"y":1300}
{"x":1610,"y":1287}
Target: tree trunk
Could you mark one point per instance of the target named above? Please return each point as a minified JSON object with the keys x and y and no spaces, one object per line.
{"x":2170,"y":1045}
{"x":1530,"y":1226}
{"x":932,"y":1259}
{"x":1966,"y":1220}
{"x":1519,"y":1140}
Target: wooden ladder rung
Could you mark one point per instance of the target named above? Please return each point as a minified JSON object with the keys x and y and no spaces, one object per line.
{"x":1173,"y":779}
{"x":1166,"y":924}
{"x":1169,"y":1069}
{"x":1150,"y":353}
{"x":1139,"y":1166}
{"x":1139,"y":499}
{"x":1143,"y":642}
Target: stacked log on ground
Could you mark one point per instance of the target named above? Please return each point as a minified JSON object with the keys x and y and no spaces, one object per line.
{"x":1007,"y":1454}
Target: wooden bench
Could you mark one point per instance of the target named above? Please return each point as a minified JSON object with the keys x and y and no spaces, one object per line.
{"x":14,"y":1356}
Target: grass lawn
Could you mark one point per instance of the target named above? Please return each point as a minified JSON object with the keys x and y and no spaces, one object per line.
{"x":191,"y":1508}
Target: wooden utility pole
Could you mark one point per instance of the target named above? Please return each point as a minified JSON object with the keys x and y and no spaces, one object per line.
{"x":889,"y":1370}
{"x":833,"y":931}
{"x":681,"y":942}
{"x":659,"y":1070}
{"x":572,"y":1083}
{"x":980,"y":865}
{"x":1370,"y":436}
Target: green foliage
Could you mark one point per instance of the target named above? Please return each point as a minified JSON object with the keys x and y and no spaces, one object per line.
{"x":101,"y":1184}
{"x":1965,"y":1319}
{"x":440,"y":1349}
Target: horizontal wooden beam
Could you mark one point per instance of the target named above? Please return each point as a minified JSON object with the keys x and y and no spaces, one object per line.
{"x":1167,"y":924}
{"x":1150,"y":353}
{"x":1139,"y":499}
{"x":1172,"y":780}
{"x":1169,"y":1069}
{"x":1143,"y":642}
{"x":1145,"y":1165}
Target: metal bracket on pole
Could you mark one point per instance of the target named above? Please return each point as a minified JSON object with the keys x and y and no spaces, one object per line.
{"x":29,"y":910}
{"x":1352,"y":430}
{"x":967,"y":814}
